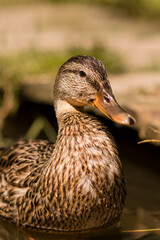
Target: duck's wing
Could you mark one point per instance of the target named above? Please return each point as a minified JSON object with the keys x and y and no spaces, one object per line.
{"x":20,"y":166}
{"x":19,"y":160}
{"x":28,"y":152}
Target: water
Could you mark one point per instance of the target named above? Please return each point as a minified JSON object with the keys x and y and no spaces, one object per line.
{"x":141,"y":165}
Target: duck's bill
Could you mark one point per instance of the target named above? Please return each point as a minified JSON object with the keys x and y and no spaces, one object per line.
{"x":109,"y":106}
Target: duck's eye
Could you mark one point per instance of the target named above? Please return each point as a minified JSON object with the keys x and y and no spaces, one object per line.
{"x":82,"y":74}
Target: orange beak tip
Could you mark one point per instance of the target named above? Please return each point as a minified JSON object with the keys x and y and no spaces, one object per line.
{"x":124,"y":118}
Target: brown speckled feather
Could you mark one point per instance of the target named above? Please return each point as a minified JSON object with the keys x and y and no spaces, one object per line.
{"x":18,"y":164}
{"x":76,"y":189}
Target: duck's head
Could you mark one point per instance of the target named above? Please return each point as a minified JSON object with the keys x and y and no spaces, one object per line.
{"x":81,"y":81}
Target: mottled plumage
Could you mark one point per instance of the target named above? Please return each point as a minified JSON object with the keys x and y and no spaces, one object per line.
{"x":77,"y":183}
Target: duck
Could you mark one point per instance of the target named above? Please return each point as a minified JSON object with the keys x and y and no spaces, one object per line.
{"x":76,"y":183}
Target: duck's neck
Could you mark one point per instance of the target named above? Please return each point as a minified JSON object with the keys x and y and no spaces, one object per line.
{"x":83,"y":144}
{"x":63,"y":107}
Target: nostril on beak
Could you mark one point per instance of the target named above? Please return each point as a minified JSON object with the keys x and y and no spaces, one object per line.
{"x":131,"y":120}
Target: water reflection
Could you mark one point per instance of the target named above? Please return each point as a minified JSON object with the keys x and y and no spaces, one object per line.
{"x":131,"y":220}
{"x":9,"y":231}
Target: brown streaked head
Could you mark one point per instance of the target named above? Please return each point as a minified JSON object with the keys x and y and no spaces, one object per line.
{"x":82,"y":80}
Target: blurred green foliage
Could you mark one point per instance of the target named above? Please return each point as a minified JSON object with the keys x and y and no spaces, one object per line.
{"x":111,"y":59}
{"x":37,"y":62}
{"x":155,"y":67}
{"x":142,"y":8}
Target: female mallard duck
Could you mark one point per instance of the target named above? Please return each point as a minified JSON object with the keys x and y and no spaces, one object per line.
{"x":77,"y":183}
